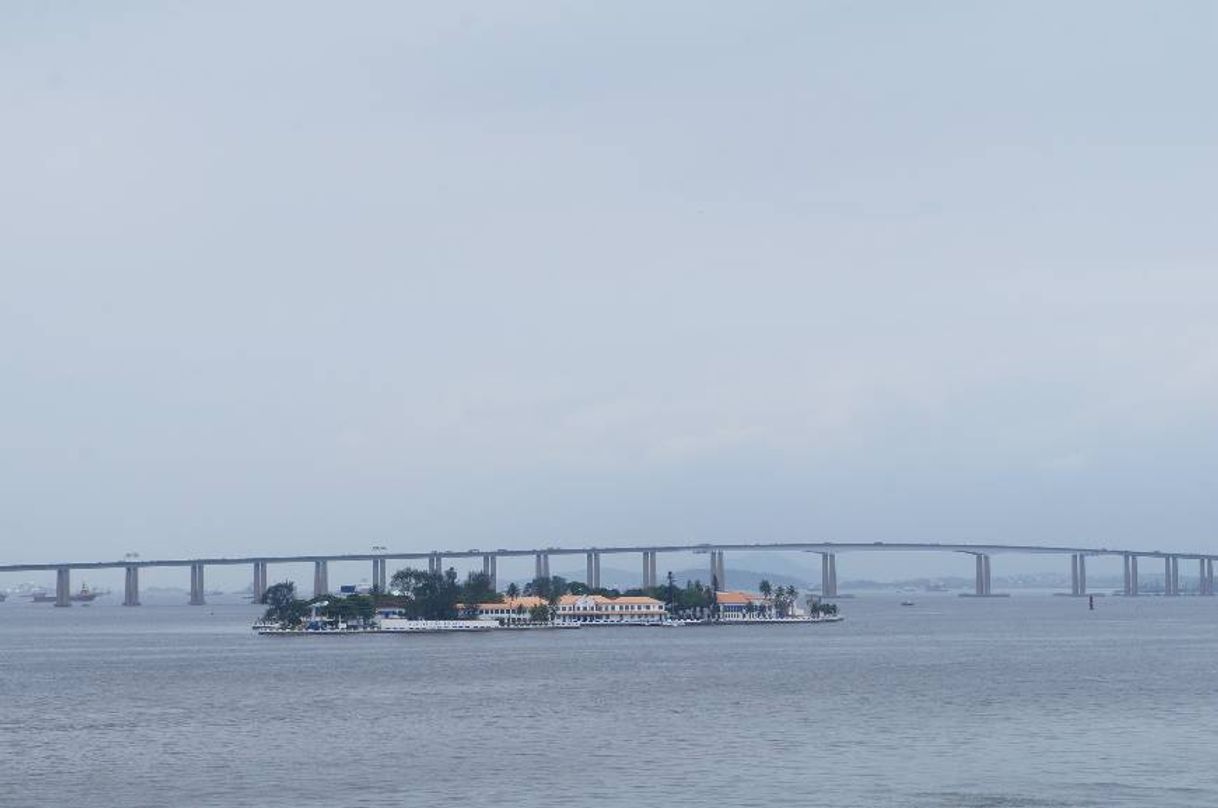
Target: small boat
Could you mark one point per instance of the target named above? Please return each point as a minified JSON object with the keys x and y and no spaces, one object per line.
{"x":87,"y":595}
{"x":907,"y":603}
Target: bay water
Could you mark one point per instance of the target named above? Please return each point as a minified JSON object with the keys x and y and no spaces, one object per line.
{"x":1028,"y":701}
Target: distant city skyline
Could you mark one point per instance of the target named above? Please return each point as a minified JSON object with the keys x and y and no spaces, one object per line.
{"x":287,"y":278}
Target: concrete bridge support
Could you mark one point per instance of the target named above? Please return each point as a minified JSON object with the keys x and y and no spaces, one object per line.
{"x":196,"y":585}
{"x":1128,"y":570}
{"x":380,"y":580}
{"x":321,"y":578}
{"x":718,"y":571}
{"x":490,"y":568}
{"x":1207,"y":576}
{"x":435,"y":564}
{"x":259,"y":587}
{"x":1078,"y":574}
{"x":1133,"y":576}
{"x":593,"y":571}
{"x":981,"y":586}
{"x":1171,"y":576}
{"x":131,"y":587}
{"x":828,"y":575}
{"x":649,"y":568}
{"x":541,"y":565}
{"x":63,"y":586}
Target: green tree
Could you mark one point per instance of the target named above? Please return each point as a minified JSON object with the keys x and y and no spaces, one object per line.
{"x":765,"y":588}
{"x":282,"y":604}
{"x":427,"y":595}
{"x":513,"y":591}
{"x":280,"y":594}
{"x":477,"y":589}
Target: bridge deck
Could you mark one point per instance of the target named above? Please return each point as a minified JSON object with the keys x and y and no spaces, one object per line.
{"x":809,"y":547}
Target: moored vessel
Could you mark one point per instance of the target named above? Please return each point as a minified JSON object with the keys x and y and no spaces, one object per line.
{"x":85,"y":595}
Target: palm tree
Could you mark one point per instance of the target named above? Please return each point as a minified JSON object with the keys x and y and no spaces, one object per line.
{"x":512,"y":590}
{"x":765,"y":588}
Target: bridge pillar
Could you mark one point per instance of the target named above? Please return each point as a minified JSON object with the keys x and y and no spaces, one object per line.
{"x":1169,"y":576}
{"x":63,"y":586}
{"x":1125,"y":565}
{"x":1208,"y":576}
{"x":649,"y":568}
{"x":321,"y":578}
{"x":590,"y":570}
{"x":1082,"y":574}
{"x":490,"y":568}
{"x":717,"y":571}
{"x":1074,"y":589}
{"x":196,"y":585}
{"x":131,"y":589}
{"x":259,"y":587}
{"x":435,"y":564}
{"x":541,"y":565}
{"x":981,"y":586}
{"x":379,"y":581}
{"x":828,"y":575}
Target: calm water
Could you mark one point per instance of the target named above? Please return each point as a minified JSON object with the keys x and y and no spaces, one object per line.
{"x":1031,"y":701}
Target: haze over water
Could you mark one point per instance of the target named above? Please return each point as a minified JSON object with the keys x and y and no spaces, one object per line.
{"x":1029,"y":701}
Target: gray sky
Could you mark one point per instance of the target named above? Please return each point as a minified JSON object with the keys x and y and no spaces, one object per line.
{"x":309,"y":277}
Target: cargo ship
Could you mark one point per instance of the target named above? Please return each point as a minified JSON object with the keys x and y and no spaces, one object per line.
{"x":85,"y":595}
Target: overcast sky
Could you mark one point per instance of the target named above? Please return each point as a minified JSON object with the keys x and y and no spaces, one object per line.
{"x":288,"y":277}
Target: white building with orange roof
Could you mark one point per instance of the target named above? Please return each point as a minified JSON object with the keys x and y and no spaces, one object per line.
{"x":511,"y":609}
{"x":734,"y":605}
{"x":601,"y":609}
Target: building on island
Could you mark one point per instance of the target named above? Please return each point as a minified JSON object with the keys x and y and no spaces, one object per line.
{"x":749,"y":606}
{"x":601,"y":609}
{"x":579,"y":609}
{"x":510,"y":608}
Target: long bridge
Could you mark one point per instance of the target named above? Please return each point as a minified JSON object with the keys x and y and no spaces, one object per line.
{"x":828,"y":552}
